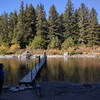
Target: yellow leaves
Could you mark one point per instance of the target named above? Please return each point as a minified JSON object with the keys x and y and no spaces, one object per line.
{"x":2,"y":47}
{"x":14,"y":47}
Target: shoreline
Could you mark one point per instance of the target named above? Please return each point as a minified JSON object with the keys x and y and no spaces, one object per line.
{"x":52,"y":56}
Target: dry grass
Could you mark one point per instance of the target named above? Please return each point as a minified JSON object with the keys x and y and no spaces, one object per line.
{"x":54,"y":52}
{"x":15,"y":49}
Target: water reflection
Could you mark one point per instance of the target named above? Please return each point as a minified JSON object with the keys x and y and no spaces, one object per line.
{"x":75,"y":70}
{"x":16,"y":69}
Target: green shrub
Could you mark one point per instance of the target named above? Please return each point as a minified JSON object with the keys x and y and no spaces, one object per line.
{"x":54,"y":44}
{"x":68,"y":43}
{"x":75,"y":52}
{"x":5,"y":51}
{"x":38,"y":43}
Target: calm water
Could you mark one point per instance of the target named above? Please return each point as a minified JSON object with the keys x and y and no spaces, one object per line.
{"x":16,"y":69}
{"x":75,"y":70}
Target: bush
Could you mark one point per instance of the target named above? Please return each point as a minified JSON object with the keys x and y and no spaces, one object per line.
{"x":75,"y":52}
{"x":54,"y":52}
{"x":3,"y":47}
{"x":5,"y":50}
{"x":14,"y":47}
{"x":68,"y":43}
{"x":54,"y":44}
{"x":38,"y":43}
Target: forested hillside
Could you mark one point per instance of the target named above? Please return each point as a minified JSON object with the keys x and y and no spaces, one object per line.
{"x":31,"y":28}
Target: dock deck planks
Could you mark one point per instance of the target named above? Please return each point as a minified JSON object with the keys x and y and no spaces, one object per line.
{"x":33,"y":73}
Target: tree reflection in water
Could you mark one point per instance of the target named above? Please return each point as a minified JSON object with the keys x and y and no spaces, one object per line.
{"x":75,"y":70}
{"x":16,"y":69}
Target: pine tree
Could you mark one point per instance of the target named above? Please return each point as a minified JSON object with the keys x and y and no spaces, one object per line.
{"x":12,"y":24}
{"x":93,"y":17}
{"x":42,"y":24}
{"x":83,"y":23}
{"x":76,"y":26}
{"x":61,"y":27}
{"x":54,"y":23}
{"x":20,"y":28}
{"x":4,"y":28}
{"x":93,"y":33}
{"x":30,"y":24}
{"x":69,"y":20}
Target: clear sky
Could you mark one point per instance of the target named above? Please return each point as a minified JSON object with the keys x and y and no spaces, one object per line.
{"x":11,"y":5}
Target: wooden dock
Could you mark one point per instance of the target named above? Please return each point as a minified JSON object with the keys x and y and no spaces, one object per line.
{"x":30,"y":77}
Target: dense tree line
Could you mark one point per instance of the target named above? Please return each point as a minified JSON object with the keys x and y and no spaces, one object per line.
{"x":30,"y":27}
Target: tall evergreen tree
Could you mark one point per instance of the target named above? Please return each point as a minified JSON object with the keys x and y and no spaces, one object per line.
{"x":93,"y":33}
{"x":42,"y":24}
{"x":55,"y":28}
{"x":93,"y":17}
{"x":83,"y":23}
{"x":12,"y":24}
{"x":61,"y":27}
{"x":4,"y":28}
{"x":69,"y":20}
{"x":30,"y":23}
{"x":54,"y":23}
{"x":20,"y":28}
{"x":76,"y":26}
{"x":0,"y":30}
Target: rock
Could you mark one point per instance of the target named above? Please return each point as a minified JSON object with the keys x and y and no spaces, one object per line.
{"x":27,"y":54}
{"x":66,"y":54}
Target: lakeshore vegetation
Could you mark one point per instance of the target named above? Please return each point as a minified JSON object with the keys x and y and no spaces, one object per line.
{"x":75,"y":30}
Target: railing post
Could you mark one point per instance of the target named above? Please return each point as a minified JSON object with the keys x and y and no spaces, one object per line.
{"x":39,"y":59}
{"x":44,"y":53}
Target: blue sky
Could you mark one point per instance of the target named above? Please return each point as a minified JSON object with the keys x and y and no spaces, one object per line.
{"x":11,"y":5}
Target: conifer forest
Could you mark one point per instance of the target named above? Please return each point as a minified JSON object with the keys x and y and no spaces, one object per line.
{"x":30,"y":27}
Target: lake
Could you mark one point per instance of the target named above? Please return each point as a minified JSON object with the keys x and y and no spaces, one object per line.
{"x":75,"y":70}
